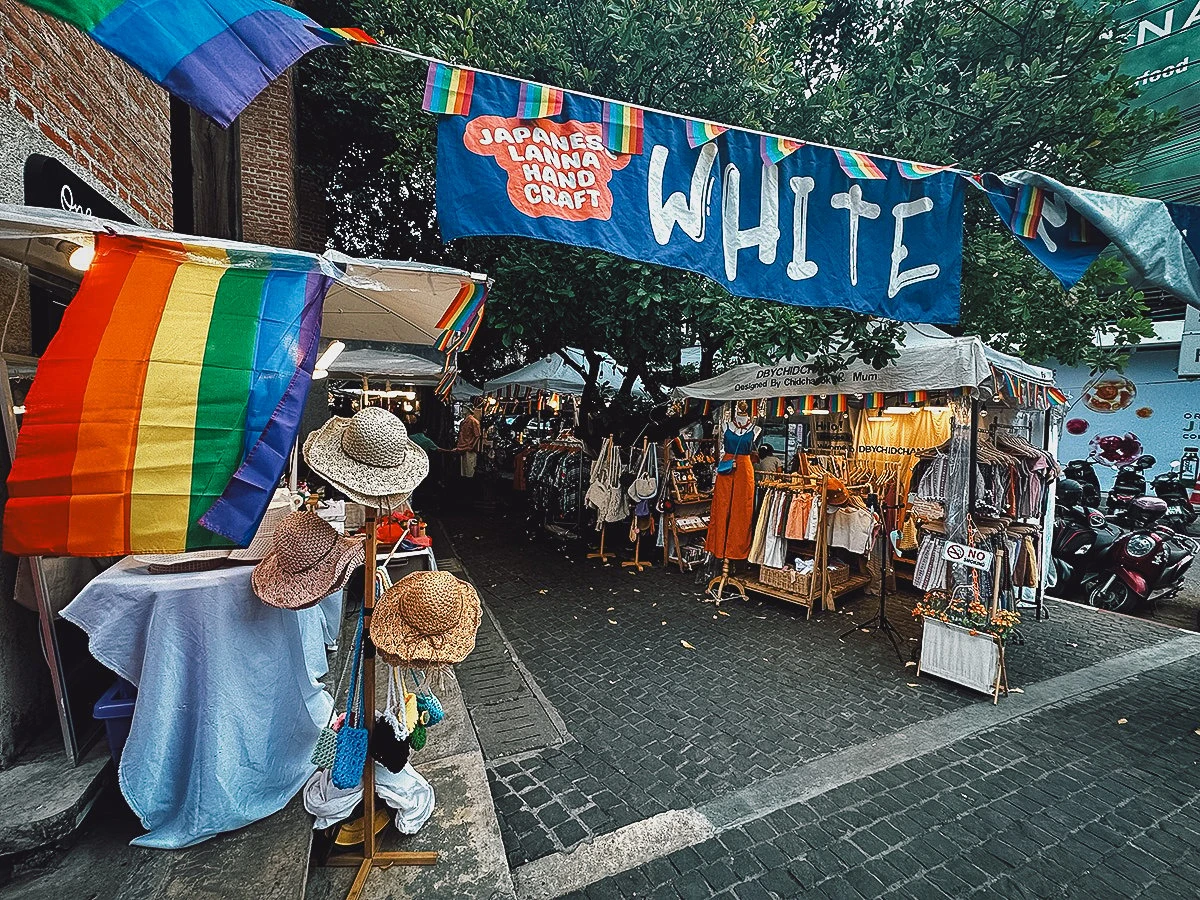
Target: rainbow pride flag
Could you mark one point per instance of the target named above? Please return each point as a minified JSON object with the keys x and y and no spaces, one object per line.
{"x":916,"y":396}
{"x":839,"y":403}
{"x":1057,"y":397}
{"x":874,"y":400}
{"x":755,"y":408}
{"x":811,"y":402}
{"x":776,"y":149}
{"x":700,"y":133}
{"x":779,"y":408}
{"x":622,"y":127}
{"x":857,"y":164}
{"x":538,"y":101}
{"x":216,"y":55}
{"x":1027,"y":211}
{"x":448,"y":90}
{"x":915,"y":171}
{"x":467,"y":302}
{"x":472,"y":330}
{"x":165,"y":406}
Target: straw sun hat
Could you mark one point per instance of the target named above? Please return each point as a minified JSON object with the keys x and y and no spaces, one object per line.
{"x":308,"y":560}
{"x":180,"y":563}
{"x":368,"y":456}
{"x":260,"y":544}
{"x":426,"y":619}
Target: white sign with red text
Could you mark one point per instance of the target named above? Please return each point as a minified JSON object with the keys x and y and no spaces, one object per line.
{"x":973,"y":557}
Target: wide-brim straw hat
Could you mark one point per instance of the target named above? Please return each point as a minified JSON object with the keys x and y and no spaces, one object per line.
{"x":387,"y":501}
{"x":369,"y":454}
{"x":426,"y":619}
{"x":181,"y":563}
{"x":260,"y":544}
{"x":309,"y":560}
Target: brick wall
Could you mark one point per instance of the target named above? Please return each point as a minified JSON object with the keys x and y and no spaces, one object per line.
{"x":86,"y":107}
{"x":268,"y":154}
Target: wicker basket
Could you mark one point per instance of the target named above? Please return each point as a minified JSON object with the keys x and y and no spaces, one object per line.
{"x":785,"y":579}
{"x":839,"y":573}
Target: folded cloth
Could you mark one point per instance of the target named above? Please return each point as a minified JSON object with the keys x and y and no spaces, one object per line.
{"x":327,"y":802}
{"x":408,"y":793}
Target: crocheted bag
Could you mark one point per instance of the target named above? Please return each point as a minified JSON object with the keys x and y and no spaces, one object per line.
{"x":350,"y":758}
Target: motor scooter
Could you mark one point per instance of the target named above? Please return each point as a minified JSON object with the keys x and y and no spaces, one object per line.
{"x":1168,"y":486}
{"x":1129,"y":486}
{"x":1083,"y":471}
{"x":1082,"y":543}
{"x":1147,"y":564}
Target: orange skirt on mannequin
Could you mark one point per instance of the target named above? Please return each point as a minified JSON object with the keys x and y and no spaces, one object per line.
{"x":732,"y":516}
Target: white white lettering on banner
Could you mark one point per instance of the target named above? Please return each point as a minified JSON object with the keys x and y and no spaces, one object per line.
{"x":801,"y":267}
{"x":1054,"y":213}
{"x":972,"y":557}
{"x":686,"y":212}
{"x":898,"y":280}
{"x":764,"y":235}
{"x":1194,"y":18}
{"x":853,"y":201}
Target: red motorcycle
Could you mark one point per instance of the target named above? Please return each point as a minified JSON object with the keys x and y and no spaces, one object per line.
{"x":1147,"y":564}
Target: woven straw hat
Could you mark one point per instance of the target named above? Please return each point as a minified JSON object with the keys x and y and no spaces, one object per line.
{"x":368,"y":454}
{"x":308,"y":560}
{"x":179,"y":563}
{"x":426,"y":619}
{"x":260,"y":544}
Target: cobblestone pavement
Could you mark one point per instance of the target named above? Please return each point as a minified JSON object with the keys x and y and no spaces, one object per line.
{"x":1063,"y":803}
{"x":657,"y":725}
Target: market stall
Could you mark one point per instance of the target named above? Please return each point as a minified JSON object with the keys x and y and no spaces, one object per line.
{"x":873,"y":450}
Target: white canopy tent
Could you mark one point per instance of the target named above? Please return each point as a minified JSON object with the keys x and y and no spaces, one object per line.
{"x":553,"y":375}
{"x":404,"y":368}
{"x":929,"y":360}
{"x":371,"y":300}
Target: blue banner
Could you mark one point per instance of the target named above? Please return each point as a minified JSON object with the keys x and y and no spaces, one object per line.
{"x":802,"y":231}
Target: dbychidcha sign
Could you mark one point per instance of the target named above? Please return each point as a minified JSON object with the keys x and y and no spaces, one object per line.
{"x":802,"y":231}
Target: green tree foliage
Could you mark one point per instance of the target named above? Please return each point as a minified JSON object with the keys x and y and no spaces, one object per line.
{"x":989,"y":85}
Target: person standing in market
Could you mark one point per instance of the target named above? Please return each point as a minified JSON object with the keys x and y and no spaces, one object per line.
{"x":470,"y":440}
{"x":768,"y":463}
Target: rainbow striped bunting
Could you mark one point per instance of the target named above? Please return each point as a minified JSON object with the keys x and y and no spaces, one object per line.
{"x":622,"y":127}
{"x":472,"y":330}
{"x":445,"y":385}
{"x":775,"y":150}
{"x":916,"y":396}
{"x":875,"y":400}
{"x":448,"y":90}
{"x":539,"y":101}
{"x":350,"y":35}
{"x":780,"y":408}
{"x":811,"y":403}
{"x":839,"y":403}
{"x":1027,"y":211}
{"x":700,"y":133}
{"x":467,"y":302}
{"x":164,"y":408}
{"x":857,"y":164}
{"x":755,"y":406}
{"x":1057,"y":397}
{"x":915,"y":171}
{"x":707,"y":408}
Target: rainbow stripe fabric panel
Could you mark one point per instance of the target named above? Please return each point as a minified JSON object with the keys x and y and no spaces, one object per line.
{"x":811,"y":402}
{"x":1027,"y":211}
{"x":776,"y":149}
{"x":171,"y":393}
{"x":472,"y":331}
{"x":350,"y":35}
{"x":1056,"y":397}
{"x":622,"y":127}
{"x":915,"y":171}
{"x":466,"y":304}
{"x":448,"y":90}
{"x":839,"y":403}
{"x":216,"y":55}
{"x":537,"y":101}
{"x":857,"y":164}
{"x":779,"y":408}
{"x":874,"y":400}
{"x":916,"y":396}
{"x":700,"y":133}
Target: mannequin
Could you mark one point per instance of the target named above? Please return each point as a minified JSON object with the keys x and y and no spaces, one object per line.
{"x":732,"y":516}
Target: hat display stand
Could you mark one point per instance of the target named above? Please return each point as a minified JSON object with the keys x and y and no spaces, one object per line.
{"x":371,"y":856}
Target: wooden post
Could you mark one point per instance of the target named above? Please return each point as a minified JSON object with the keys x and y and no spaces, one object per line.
{"x":600,"y":554}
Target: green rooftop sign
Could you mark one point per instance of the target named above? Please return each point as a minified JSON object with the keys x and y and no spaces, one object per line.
{"x":1163,"y":54}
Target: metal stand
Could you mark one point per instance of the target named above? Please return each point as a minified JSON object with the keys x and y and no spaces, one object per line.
{"x":880,"y":623}
{"x":371,"y":857}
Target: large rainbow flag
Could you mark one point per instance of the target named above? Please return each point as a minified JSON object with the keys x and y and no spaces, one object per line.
{"x":216,"y":55}
{"x":164,"y":408}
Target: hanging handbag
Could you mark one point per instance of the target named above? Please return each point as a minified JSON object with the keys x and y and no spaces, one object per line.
{"x":389,"y":741}
{"x":350,"y":758}
{"x":645,"y":485}
{"x":429,"y":707}
{"x":598,"y":486}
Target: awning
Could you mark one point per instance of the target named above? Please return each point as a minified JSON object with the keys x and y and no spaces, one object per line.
{"x":552,"y":374}
{"x":930,"y":360}
{"x":403,"y":368}
{"x":372,"y":300}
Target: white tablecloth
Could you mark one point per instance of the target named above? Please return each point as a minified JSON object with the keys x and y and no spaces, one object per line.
{"x":229,"y":706}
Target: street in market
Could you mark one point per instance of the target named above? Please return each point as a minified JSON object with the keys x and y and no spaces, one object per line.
{"x":597,"y":450}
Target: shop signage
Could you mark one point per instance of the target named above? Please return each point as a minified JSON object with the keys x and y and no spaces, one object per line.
{"x":801,"y":230}
{"x":1189,"y":344}
{"x":51,"y":185}
{"x":973,"y":557}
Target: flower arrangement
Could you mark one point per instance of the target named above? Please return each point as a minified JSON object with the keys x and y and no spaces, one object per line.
{"x":969,"y":612}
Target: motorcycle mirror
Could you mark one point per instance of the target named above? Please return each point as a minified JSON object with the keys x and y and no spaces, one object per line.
{"x":1145,"y":462}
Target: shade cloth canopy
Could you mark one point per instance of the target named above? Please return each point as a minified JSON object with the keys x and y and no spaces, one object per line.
{"x":372,"y":300}
{"x":930,"y":360}
{"x":404,"y":368}
{"x":553,"y":374}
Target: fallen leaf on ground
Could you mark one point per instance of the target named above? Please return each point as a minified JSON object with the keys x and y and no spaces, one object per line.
{"x":637,"y":590}
{"x":1122,"y":721}
{"x":543,"y":591}
{"x":1198,"y":731}
{"x":686,"y":644}
{"x":1016,"y":691}
{"x":907,"y":664}
{"x":610,"y":609}
{"x":913,"y":684}
{"x":721,"y":612}
{"x":664,"y":621}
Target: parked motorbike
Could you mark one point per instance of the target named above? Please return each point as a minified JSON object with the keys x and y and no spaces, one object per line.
{"x":1083,"y":541}
{"x":1083,"y":472}
{"x":1169,"y":487}
{"x":1129,"y":486}
{"x":1147,"y":564}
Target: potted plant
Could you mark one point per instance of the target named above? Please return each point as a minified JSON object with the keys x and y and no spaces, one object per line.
{"x":962,"y":640}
